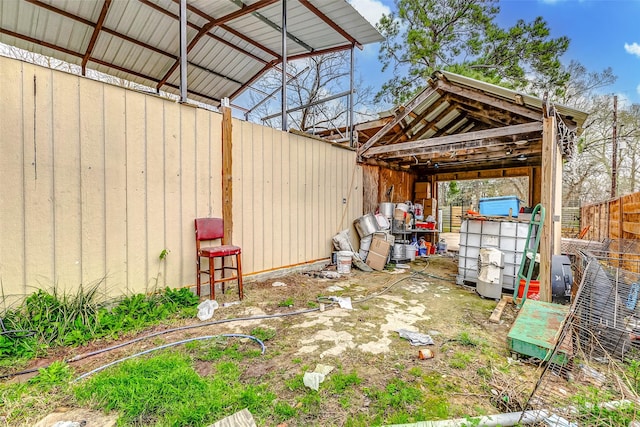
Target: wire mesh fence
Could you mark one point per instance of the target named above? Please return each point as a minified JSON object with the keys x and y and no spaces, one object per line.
{"x":593,"y":376}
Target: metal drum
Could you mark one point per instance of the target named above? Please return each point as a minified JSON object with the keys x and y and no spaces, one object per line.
{"x":366,"y":225}
{"x":386,"y":209}
{"x":399,"y":251}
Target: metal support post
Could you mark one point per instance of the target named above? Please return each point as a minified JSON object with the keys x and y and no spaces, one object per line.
{"x":352,"y":142}
{"x":284,"y":65}
{"x":183,"y":50}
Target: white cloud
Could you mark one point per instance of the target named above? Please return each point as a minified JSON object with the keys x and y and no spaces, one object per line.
{"x":633,"y":48}
{"x":371,"y":10}
{"x":638,"y":89}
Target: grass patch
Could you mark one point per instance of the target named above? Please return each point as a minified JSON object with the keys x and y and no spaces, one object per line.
{"x":166,"y":390}
{"x":590,"y":404}
{"x":467,"y":340}
{"x":402,"y":402}
{"x":68,"y":319}
{"x":460,"y":360}
{"x":286,"y":303}
{"x":263,"y":334}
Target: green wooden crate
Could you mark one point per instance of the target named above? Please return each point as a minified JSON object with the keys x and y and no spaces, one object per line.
{"x":537,"y":329}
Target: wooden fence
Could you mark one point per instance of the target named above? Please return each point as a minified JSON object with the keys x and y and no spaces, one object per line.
{"x":614,"y":219}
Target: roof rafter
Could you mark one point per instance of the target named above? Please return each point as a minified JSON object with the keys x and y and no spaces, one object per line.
{"x":476,"y":95}
{"x":430,"y":144}
{"x":398,"y":118}
{"x":94,"y":35}
{"x":208,"y":26}
{"x":330,"y":23}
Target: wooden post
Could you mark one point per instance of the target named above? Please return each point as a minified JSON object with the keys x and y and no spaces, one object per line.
{"x":551,"y":199}
{"x":534,"y":186}
{"x":227,"y":177}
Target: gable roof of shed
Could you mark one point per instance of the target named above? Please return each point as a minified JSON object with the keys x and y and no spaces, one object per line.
{"x":459,"y":124}
{"x":233,"y":42}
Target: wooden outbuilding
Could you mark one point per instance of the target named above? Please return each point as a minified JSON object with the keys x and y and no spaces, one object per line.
{"x":460,"y":128}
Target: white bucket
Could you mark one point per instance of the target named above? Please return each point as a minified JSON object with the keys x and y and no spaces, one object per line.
{"x":344,"y":262}
{"x":365,"y":242}
{"x":383,"y":222}
{"x":403,"y":207}
{"x":410,"y":251}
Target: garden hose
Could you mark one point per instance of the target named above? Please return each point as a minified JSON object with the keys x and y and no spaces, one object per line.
{"x":155,"y":334}
{"x":15,"y":333}
{"x":161,"y":347}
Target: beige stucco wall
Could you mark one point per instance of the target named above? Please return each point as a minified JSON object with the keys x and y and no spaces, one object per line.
{"x":97,"y":180}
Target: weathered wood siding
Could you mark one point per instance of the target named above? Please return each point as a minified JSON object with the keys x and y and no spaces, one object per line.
{"x":378,"y":182}
{"x":98,"y":180}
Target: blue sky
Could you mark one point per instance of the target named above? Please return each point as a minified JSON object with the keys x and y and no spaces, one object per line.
{"x":603,"y":33}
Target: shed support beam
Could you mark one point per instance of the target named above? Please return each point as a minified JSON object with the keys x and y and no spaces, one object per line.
{"x":551,"y":199}
{"x":227,"y":177}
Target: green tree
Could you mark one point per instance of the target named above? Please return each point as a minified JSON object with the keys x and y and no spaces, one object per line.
{"x":462,"y":36}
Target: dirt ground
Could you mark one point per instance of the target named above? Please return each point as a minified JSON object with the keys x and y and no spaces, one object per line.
{"x":475,"y":369}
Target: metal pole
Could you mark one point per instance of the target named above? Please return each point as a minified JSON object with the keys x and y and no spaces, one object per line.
{"x":351,"y":125}
{"x":284,"y":65}
{"x":309,"y":104}
{"x":614,"y":148}
{"x":183,"y":50}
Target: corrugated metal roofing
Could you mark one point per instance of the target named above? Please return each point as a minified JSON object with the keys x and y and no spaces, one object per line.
{"x":139,"y":39}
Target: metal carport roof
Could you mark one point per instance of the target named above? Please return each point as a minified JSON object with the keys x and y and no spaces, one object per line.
{"x":230,"y":42}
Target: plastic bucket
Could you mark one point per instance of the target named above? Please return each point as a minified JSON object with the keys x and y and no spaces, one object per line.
{"x":410,"y":251}
{"x":365,"y":242}
{"x":383,"y":222}
{"x":534,"y":288}
{"x":344,"y":262}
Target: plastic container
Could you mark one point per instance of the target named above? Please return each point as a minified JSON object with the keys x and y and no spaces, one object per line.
{"x":500,"y":206}
{"x":418,"y":211}
{"x":383,"y":222}
{"x":410,"y":251}
{"x":534,"y":288}
{"x":490,"y":273}
{"x":344,"y":262}
{"x":510,"y":236}
{"x":365,"y":242}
